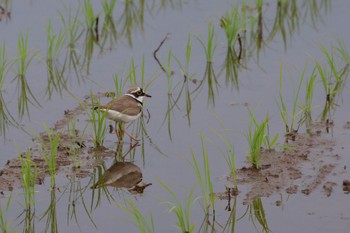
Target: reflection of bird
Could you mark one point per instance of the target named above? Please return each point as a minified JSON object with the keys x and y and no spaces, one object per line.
{"x":125,"y":108}
{"x":123,"y":175}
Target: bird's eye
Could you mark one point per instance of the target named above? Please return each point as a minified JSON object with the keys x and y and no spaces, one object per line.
{"x":139,"y":93}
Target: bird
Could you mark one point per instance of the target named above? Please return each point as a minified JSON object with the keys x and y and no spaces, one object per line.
{"x":125,"y":108}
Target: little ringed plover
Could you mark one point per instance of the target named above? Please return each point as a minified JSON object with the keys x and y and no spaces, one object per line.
{"x":125,"y":108}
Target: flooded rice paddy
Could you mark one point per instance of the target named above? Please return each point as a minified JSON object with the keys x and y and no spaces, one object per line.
{"x":247,"y":129}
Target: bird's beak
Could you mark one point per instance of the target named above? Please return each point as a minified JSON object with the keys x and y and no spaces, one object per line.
{"x":147,"y":95}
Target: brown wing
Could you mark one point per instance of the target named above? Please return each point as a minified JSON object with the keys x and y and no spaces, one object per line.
{"x":124,"y":104}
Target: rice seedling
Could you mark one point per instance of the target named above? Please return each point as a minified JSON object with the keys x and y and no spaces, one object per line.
{"x":333,"y":79}
{"x":171,"y":102}
{"x":228,"y":151}
{"x":28,"y":177}
{"x":144,"y":224}
{"x":97,"y":118}
{"x":268,"y":142}
{"x":75,"y":141}
{"x":209,"y":73}
{"x":187,"y":78}
{"x":28,"y":174}
{"x":22,"y":63}
{"x":172,"y":99}
{"x":50,"y":152}
{"x":255,"y":137}
{"x":183,"y":214}
{"x":307,"y":106}
{"x":5,"y":224}
{"x":132,"y":77}
{"x":284,"y":113}
{"x":342,"y":51}
{"x":204,"y":178}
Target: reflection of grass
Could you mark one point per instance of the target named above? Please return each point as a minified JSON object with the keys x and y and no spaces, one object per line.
{"x":90,"y":17}
{"x":144,"y":225}
{"x":51,"y":214}
{"x":286,"y":20}
{"x":257,"y":213}
{"x":72,"y":27}
{"x":132,"y":18}
{"x":4,"y":223}
{"x":109,"y":27}
{"x":183,"y":214}
{"x":92,"y":34}
{"x":209,"y":73}
{"x":22,"y":63}
{"x":232,"y":24}
{"x":76,"y":195}
{"x":5,"y":116}
{"x":55,"y":45}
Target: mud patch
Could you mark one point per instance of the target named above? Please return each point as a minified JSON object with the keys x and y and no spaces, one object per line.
{"x":73,"y":156}
{"x":302,"y":168}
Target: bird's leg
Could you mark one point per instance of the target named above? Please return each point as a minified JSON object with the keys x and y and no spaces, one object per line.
{"x":119,"y":133}
{"x":130,"y":136}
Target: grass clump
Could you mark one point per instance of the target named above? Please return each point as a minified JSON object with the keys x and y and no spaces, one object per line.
{"x":256,"y":136}
{"x":183,"y":214}
{"x":97,"y":119}
{"x":50,"y":152}
{"x":204,"y":178}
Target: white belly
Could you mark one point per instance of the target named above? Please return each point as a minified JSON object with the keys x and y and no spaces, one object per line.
{"x":120,"y":117}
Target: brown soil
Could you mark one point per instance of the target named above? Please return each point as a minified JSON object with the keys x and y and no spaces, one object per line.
{"x":10,"y":174}
{"x":303,"y":167}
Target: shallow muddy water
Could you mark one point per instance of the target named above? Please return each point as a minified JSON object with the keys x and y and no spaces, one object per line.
{"x":194,"y":112}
